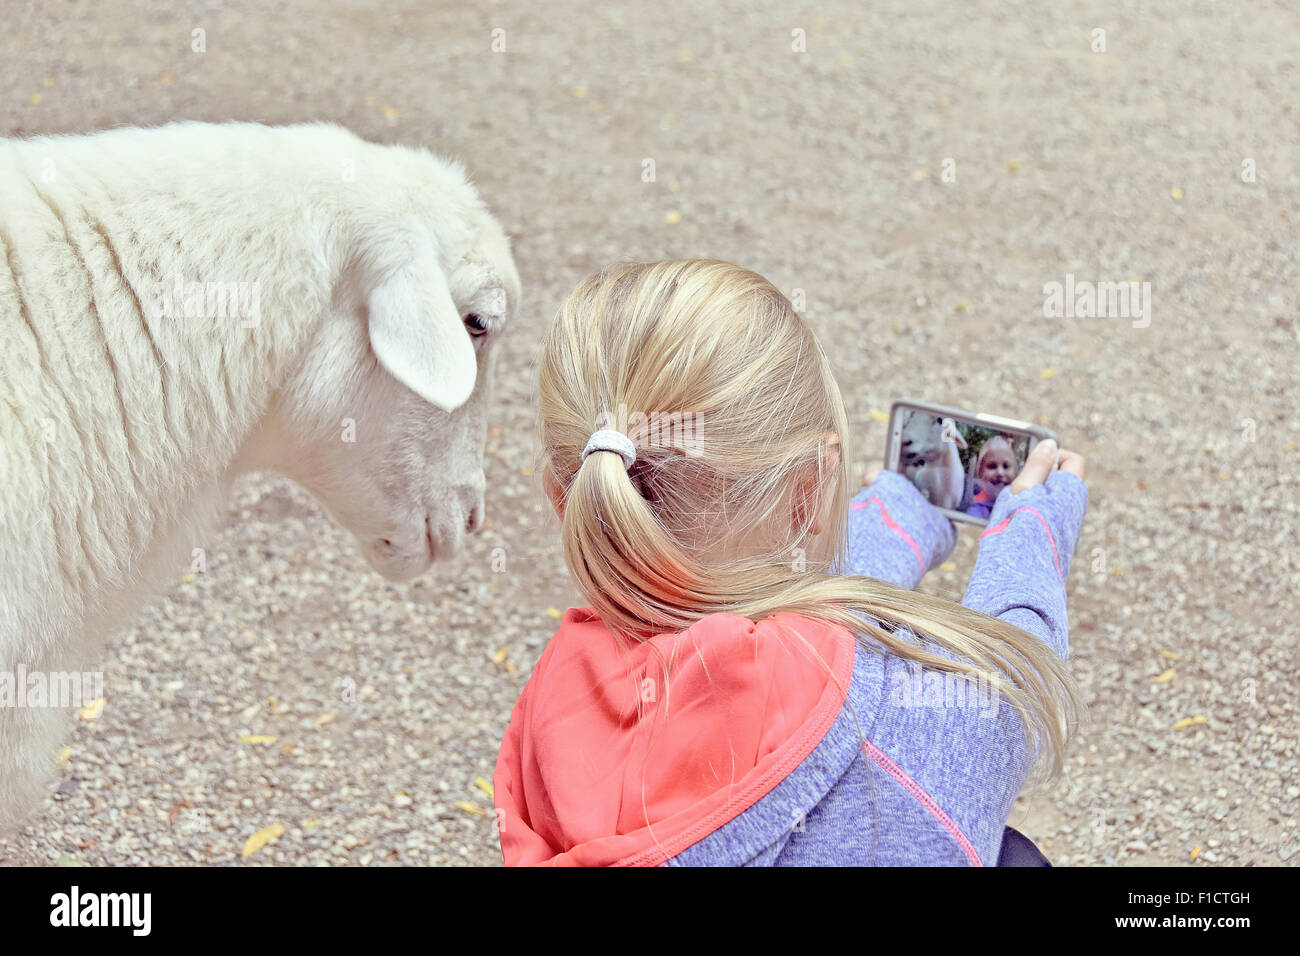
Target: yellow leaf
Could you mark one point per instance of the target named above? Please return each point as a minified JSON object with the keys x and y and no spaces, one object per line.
{"x":64,"y":755}
{"x":388,"y":112}
{"x":526,"y":471}
{"x":485,"y":786}
{"x":1013,"y":165}
{"x":1165,"y":677}
{"x":188,"y":579}
{"x":472,"y":808}
{"x":962,"y":306}
{"x":579,"y":91}
{"x":500,"y":655}
{"x":686,"y":56}
{"x":1171,"y":655}
{"x":166,"y":79}
{"x":324,"y":719}
{"x":1176,"y":194}
{"x":554,"y":612}
{"x":35,"y":99}
{"x":92,"y":710}
{"x":673,"y":217}
{"x":311,"y":824}
{"x":510,"y":667}
{"x":257,"y":739}
{"x":261,"y":838}
{"x":1196,"y":851}
{"x":948,"y":566}
{"x":878,"y":416}
{"x":1191,"y":722}
{"x":1048,"y":373}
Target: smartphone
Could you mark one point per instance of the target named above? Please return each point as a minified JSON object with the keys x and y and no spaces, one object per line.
{"x":959,"y":460}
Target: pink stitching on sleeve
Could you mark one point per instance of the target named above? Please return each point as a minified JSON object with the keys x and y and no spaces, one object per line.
{"x":1002,"y":526}
{"x":893,"y":526}
{"x":915,"y":789}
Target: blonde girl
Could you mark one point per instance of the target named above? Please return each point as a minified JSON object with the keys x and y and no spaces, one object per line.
{"x":754,"y":679}
{"x":994,"y":469}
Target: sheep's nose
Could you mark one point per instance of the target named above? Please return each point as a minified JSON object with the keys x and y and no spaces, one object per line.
{"x":475,"y":520}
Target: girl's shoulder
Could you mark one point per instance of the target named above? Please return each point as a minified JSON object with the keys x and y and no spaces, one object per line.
{"x":602,"y":717}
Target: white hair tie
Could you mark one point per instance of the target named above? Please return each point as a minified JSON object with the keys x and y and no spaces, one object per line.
{"x":606,"y":439}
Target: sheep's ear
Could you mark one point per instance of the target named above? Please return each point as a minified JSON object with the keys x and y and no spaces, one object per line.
{"x":419,"y":337}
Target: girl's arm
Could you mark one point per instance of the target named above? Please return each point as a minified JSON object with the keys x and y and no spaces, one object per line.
{"x":894,"y":533}
{"x":1024,"y":556}
{"x":943,"y":760}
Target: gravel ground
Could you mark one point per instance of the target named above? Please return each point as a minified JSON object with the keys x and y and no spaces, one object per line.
{"x":824,"y":170}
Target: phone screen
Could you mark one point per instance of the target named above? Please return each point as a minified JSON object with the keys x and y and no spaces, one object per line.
{"x":959,"y":464}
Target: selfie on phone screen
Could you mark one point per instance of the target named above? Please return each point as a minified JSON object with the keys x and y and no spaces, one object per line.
{"x":957,"y":465}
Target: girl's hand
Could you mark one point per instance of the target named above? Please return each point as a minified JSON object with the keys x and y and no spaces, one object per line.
{"x":1042,"y":461}
{"x":873,"y":471}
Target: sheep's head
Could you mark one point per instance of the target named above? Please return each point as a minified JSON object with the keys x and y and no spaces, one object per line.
{"x":385,"y":418}
{"x":922,"y":442}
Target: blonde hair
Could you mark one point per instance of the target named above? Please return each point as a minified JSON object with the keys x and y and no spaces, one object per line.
{"x":675,"y":537}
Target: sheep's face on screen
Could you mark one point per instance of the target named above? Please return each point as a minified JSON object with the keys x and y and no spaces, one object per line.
{"x":922,"y":443}
{"x":402,"y":373}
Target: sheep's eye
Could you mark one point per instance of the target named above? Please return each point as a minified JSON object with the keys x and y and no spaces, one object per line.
{"x":476,"y":324}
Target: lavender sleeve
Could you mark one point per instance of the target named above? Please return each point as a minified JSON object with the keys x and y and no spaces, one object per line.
{"x":1024,"y":557}
{"x":895,"y":534}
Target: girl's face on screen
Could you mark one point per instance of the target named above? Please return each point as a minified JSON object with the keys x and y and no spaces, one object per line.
{"x":999,"y":467}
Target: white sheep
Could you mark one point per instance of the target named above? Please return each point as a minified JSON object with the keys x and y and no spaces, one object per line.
{"x":182,"y":304}
{"x":931,"y":460}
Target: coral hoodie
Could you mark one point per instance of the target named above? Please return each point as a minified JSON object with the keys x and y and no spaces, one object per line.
{"x":787,"y":741}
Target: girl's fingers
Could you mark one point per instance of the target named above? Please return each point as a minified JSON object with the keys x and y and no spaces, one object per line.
{"x":1072,"y":462}
{"x":873,"y":472}
{"x":1040,"y":463}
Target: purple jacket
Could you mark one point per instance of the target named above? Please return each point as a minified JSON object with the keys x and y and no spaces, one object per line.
{"x":943,"y":759}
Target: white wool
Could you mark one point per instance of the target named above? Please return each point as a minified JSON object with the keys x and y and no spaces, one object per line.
{"x":323,"y":288}
{"x":931,"y":460}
